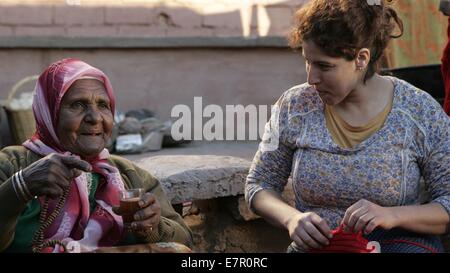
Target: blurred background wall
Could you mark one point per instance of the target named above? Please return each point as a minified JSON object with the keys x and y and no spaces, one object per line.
{"x":157,"y":53}
{"x":162,"y":53}
{"x":424,"y":37}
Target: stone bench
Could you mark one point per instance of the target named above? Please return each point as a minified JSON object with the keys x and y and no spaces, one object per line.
{"x":187,"y":178}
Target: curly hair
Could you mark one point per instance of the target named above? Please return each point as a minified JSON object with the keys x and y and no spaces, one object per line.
{"x":340,"y":28}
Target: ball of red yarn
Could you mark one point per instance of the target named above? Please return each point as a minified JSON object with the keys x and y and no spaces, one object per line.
{"x":345,"y":242}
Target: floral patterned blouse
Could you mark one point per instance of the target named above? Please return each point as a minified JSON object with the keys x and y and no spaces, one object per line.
{"x":411,"y":151}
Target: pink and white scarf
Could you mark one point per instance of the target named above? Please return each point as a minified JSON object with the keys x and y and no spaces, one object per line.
{"x":75,"y":225}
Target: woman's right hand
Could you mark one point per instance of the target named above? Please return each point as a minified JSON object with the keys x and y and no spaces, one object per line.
{"x":308,"y":230}
{"x":50,"y":175}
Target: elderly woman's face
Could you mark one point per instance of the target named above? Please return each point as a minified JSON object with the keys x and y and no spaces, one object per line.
{"x":85,"y":118}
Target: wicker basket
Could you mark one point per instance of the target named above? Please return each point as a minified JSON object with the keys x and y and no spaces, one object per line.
{"x":21,"y":122}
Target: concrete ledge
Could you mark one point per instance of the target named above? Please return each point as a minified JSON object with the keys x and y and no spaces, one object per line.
{"x":198,"y":177}
{"x":122,"y":42}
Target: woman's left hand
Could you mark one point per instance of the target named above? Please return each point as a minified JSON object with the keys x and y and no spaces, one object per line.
{"x":146,"y":219}
{"x":366,"y":216}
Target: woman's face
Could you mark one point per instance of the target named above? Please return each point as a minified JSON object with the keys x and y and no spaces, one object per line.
{"x":85,"y":118}
{"x":333,"y":78}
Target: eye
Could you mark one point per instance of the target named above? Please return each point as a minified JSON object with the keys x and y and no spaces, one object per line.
{"x":324,"y":67}
{"x":103,"y":105}
{"x":77,"y":105}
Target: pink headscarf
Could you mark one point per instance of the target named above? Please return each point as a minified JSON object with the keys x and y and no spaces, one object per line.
{"x":75,"y":225}
{"x":53,"y":83}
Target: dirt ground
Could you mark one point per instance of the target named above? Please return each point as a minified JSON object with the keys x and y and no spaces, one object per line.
{"x":217,"y":231}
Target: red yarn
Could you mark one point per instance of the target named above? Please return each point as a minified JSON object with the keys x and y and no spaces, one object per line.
{"x":345,"y":242}
{"x":396,"y":241}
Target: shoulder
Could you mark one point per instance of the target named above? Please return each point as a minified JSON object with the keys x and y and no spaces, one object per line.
{"x":136,"y":175}
{"x":13,"y":158}
{"x":11,"y":152}
{"x":423,"y":110}
{"x":122,"y":163}
{"x":300,"y":100}
{"x":18,"y":154}
{"x":417,"y":104}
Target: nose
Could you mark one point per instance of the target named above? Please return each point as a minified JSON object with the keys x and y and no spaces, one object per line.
{"x":93,"y":115}
{"x":313,"y":75}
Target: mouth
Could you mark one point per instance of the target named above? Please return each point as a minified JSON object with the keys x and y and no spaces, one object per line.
{"x":319,"y":90}
{"x":91,"y":134}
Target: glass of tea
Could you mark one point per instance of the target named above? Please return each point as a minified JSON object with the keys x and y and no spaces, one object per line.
{"x":129,"y":203}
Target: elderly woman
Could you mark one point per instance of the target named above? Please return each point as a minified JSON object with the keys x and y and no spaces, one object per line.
{"x":61,"y":187}
{"x":357,"y":144}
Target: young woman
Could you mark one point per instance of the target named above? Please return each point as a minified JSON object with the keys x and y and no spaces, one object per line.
{"x":359,"y":146}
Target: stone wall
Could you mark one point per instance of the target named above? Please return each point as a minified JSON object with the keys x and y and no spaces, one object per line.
{"x":158,"y":54}
{"x":162,"y":78}
{"x":125,"y":18}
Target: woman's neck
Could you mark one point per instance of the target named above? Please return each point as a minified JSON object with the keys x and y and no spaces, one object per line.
{"x":366,"y":101}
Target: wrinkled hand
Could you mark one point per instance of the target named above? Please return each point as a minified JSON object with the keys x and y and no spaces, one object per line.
{"x":147,"y":218}
{"x":50,"y":175}
{"x":308,"y":231}
{"x":366,"y":216}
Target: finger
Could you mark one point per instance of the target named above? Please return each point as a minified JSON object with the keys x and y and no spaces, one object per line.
{"x":144,"y":213}
{"x":62,"y":169}
{"x":352,"y":209}
{"x":75,"y":173}
{"x":322,"y":225}
{"x":299,"y":244}
{"x":69,"y":172}
{"x":147,"y":200}
{"x":60,"y":180}
{"x":355,"y":216}
{"x":308,"y":240}
{"x":349,"y":212}
{"x":57,"y":167}
{"x":146,"y":225}
{"x":53,"y":193}
{"x":315,"y":234}
{"x":73,"y":162}
{"x":371,"y":226}
{"x":344,"y":221}
{"x":362,"y":222}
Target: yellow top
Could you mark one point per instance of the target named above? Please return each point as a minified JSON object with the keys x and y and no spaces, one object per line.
{"x":348,"y":136}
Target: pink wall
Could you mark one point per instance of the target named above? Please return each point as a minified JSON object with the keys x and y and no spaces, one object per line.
{"x":160,"y":79}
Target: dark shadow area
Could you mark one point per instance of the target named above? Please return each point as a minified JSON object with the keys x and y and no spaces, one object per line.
{"x":426,"y":77}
